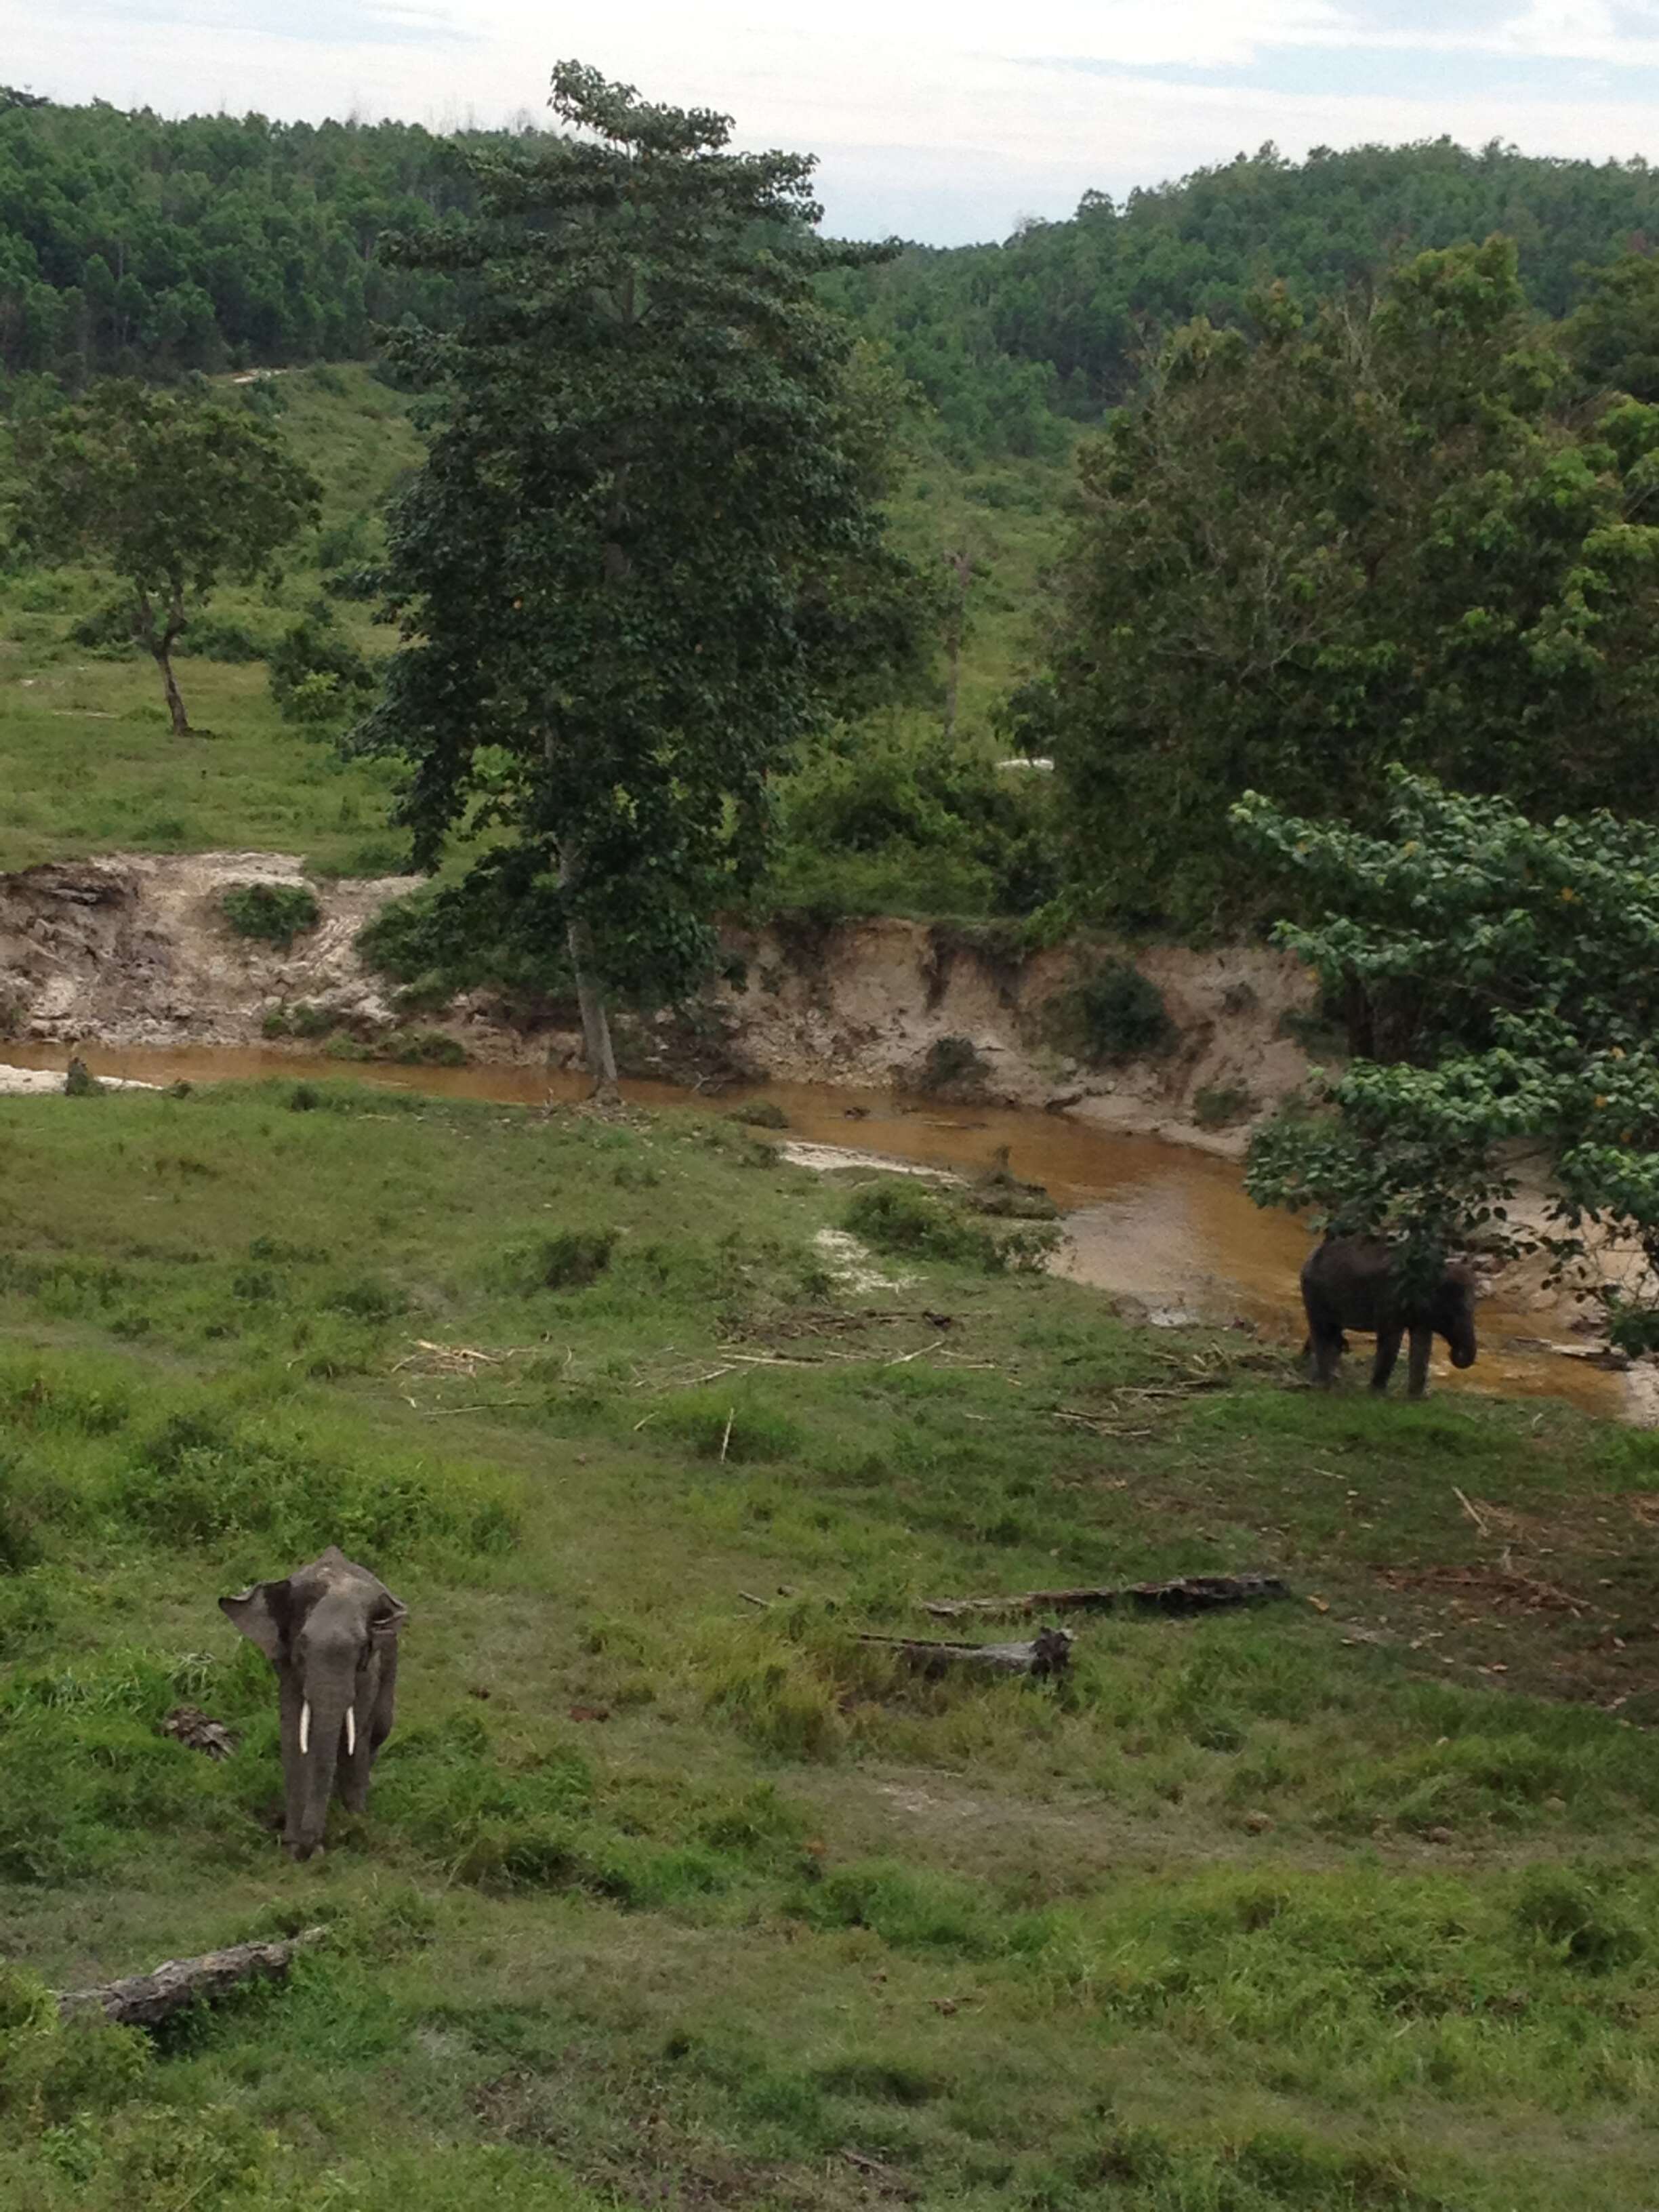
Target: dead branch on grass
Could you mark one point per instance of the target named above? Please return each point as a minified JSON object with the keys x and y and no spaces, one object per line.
{"x":1048,"y":1653}
{"x":142,"y":2000}
{"x":1185,"y":1594}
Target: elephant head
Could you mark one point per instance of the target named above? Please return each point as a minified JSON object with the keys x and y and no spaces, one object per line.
{"x":331,"y":1631}
{"x":1453,"y":1312}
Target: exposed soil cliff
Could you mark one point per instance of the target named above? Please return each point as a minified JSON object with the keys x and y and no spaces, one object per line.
{"x":136,"y":949}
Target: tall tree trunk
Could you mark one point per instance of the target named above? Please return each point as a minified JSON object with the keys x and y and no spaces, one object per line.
{"x":590,"y":997}
{"x":175,"y":704}
{"x":160,"y":638}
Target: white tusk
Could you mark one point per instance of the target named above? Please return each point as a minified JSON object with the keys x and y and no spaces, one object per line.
{"x":305,"y":1727}
{"x":351,"y":1733}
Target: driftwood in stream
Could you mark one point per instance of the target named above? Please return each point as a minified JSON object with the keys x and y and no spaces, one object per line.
{"x":1049,"y":1653}
{"x":1186,"y":1594}
{"x":142,"y":2000}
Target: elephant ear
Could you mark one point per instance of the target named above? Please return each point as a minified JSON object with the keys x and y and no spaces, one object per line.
{"x":388,"y":1616}
{"x":262,"y":1614}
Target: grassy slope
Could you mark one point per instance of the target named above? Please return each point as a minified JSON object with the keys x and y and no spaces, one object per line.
{"x":664,"y":1897}
{"x":87,"y":761}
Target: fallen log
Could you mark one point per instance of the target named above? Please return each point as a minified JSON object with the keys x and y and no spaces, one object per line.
{"x":1048,"y":1653}
{"x":142,"y":2000}
{"x":1186,"y":1594}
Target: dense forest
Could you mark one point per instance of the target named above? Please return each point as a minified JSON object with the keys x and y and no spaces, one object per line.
{"x":133,"y":244}
{"x":1060,"y":320}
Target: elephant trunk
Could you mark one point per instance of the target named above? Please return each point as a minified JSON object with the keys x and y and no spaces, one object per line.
{"x":323,"y":1721}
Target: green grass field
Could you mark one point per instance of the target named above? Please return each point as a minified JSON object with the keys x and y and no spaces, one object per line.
{"x":88,"y":763}
{"x":667,"y":1896}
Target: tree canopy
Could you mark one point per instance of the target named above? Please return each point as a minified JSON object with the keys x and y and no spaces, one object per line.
{"x":135,"y":244}
{"x":1060,"y":318}
{"x":1385,"y":533}
{"x":1518,"y":963}
{"x":653,"y":450}
{"x":171,"y":493}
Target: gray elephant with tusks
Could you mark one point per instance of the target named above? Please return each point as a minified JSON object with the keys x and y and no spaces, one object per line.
{"x":331,"y":1631}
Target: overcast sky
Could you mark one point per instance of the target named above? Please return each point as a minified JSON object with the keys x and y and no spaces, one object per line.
{"x":941,"y":119}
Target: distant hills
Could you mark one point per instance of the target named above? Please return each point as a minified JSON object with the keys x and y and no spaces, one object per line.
{"x":135,"y":244}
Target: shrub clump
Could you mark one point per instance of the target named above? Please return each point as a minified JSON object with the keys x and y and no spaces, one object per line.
{"x":305,"y":1018}
{"x":201,"y":1477}
{"x":1220,"y":1105}
{"x":1000,"y":1192}
{"x":276,"y":912}
{"x":53,"y":2069}
{"x":760,"y":1113}
{"x":1116,"y":1014}
{"x":317,"y":676}
{"x":569,"y":1259}
{"x":423,"y":1048}
{"x":952,"y":1067}
{"x":898,"y":1218}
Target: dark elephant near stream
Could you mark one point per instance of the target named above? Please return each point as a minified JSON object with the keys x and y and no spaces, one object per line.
{"x":1354,"y":1282}
{"x":331,"y":1631}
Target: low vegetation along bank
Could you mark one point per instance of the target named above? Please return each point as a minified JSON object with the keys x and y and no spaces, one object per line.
{"x":1346,"y":1900}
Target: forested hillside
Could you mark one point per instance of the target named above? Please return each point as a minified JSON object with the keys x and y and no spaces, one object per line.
{"x":135,"y":244}
{"x":131,"y":244}
{"x":1059,"y":319}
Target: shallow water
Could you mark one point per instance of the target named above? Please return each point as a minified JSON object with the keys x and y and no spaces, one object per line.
{"x":1156,"y":1221}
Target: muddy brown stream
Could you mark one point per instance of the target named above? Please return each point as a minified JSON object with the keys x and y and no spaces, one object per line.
{"x":1160,"y":1222}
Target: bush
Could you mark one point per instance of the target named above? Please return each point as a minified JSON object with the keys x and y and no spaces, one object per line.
{"x":569,"y":1259}
{"x":899,"y":1217}
{"x":343,"y":544}
{"x":904,"y":1219}
{"x":1116,"y":1014}
{"x":1218,"y":1106}
{"x":210,"y":638}
{"x":52,"y":2070}
{"x":889,"y":819}
{"x":276,"y":912}
{"x":508,"y":936}
{"x":201,"y":1477}
{"x":424,"y":1048}
{"x":760,"y":1113}
{"x":316,"y":675}
{"x":953,"y":1064}
{"x":1583,"y":1927}
{"x":107,"y":628}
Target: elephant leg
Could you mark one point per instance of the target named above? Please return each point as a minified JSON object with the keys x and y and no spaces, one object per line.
{"x":1417,"y":1368}
{"x":1327,"y":1351}
{"x":1388,"y":1351}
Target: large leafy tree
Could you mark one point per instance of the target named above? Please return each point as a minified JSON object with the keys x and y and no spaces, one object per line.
{"x":1308,"y":550}
{"x":644,"y":555}
{"x":1613,"y":336}
{"x":170,"y":493}
{"x":1510,"y":970}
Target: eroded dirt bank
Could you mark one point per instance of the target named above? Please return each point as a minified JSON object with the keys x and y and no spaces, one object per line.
{"x":136,"y":951}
